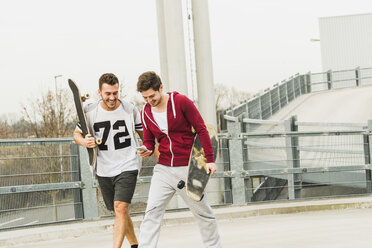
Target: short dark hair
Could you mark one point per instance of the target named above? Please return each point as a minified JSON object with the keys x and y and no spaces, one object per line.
{"x":108,"y":78}
{"x":148,"y":80}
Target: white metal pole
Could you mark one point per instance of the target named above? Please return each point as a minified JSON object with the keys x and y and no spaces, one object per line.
{"x":58,"y":126}
{"x":203,"y":61}
{"x":175,"y":46}
{"x":162,"y":44}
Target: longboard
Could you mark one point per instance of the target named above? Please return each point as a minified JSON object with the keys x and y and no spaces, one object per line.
{"x":197,"y":177}
{"x":79,"y":99}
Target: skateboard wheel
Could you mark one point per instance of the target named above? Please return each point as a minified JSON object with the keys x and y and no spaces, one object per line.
{"x":181,"y":184}
{"x":98,"y":141}
{"x":87,"y":96}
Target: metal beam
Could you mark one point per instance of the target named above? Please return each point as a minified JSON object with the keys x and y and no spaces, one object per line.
{"x":39,"y":187}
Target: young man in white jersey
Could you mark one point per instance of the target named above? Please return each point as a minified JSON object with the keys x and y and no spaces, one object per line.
{"x":115,"y":122}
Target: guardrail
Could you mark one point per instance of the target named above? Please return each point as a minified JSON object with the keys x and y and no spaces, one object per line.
{"x":265,"y":104}
{"x":40,"y":182}
{"x":273,"y":160}
{"x":49,"y":180}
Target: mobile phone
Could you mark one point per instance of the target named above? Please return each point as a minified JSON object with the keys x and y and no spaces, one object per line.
{"x":142,"y":148}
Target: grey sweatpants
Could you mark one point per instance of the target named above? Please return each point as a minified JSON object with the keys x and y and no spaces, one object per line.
{"x":163,"y":186}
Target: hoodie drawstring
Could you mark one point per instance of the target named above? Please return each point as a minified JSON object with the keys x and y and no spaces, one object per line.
{"x":173,"y":107}
{"x":143,"y":116}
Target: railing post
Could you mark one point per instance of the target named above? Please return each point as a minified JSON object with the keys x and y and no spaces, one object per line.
{"x":271,"y":101}
{"x":298,"y":80}
{"x":367,"y":155}
{"x":357,"y":76}
{"x":248,"y":182}
{"x":260,"y":106}
{"x":308,"y":82}
{"x":293,"y":159}
{"x":234,"y":128}
{"x":280,"y":104}
{"x":224,"y":150}
{"x":329,"y":80}
{"x":75,"y":177}
{"x":286,"y":93}
{"x":89,"y":186}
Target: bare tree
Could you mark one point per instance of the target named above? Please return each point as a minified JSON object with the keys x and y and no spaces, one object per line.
{"x":13,"y":128}
{"x":227,"y":97}
{"x":4,"y":130}
{"x":51,"y":115}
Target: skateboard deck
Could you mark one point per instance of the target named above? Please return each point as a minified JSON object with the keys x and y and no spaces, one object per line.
{"x":79,"y":99}
{"x":197,"y":177}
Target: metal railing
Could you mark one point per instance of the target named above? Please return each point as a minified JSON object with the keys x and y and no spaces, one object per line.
{"x":42,"y":184}
{"x":265,"y":104}
{"x":49,"y":180}
{"x":273,"y":160}
{"x":39,"y":182}
{"x":258,"y":161}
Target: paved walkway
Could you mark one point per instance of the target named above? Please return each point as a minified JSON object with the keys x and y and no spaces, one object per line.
{"x":322,"y":223}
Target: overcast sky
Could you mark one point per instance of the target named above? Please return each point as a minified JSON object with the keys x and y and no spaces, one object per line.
{"x":255,"y":43}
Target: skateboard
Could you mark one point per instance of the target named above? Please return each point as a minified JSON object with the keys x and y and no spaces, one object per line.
{"x":79,"y":99}
{"x":197,"y":177}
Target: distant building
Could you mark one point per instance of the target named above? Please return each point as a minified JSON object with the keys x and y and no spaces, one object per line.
{"x":346,"y":41}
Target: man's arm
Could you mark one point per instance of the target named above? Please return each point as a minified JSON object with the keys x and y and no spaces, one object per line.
{"x":193,"y":116}
{"x":156,"y":150}
{"x":88,"y":141}
{"x":140,"y":133}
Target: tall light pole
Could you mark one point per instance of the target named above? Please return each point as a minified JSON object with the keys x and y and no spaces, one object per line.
{"x":58,"y":126}
{"x":57,"y":102}
{"x":314,"y":40}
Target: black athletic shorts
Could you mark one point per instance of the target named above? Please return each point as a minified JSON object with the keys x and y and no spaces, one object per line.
{"x":118,"y":188}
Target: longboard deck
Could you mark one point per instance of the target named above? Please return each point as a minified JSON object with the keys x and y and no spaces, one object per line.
{"x":197,"y":177}
{"x":92,"y":152}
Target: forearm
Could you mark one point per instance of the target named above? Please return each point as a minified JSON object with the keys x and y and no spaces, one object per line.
{"x":148,"y":139}
{"x":79,"y":139}
{"x":207,"y":147}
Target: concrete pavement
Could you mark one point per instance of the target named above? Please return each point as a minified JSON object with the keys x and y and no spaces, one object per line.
{"x":343,"y":222}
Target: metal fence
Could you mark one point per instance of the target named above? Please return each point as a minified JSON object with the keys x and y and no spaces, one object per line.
{"x":49,"y":180}
{"x":264,"y":105}
{"x":40,"y":182}
{"x":279,"y":160}
{"x":275,"y":155}
{"x":45,"y":181}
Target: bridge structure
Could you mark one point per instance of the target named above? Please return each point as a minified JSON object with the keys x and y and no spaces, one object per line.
{"x":307,"y":137}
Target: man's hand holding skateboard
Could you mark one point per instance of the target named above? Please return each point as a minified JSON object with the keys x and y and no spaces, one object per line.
{"x":89,"y":141}
{"x":211,"y":167}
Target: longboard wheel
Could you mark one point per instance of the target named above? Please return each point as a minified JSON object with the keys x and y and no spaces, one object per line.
{"x":98,"y":141}
{"x":85,"y":97}
{"x":181,"y":184}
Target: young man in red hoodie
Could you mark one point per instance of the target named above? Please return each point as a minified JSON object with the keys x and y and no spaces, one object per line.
{"x":169,"y":118}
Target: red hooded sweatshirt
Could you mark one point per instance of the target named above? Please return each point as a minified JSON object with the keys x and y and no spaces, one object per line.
{"x":175,"y":146}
